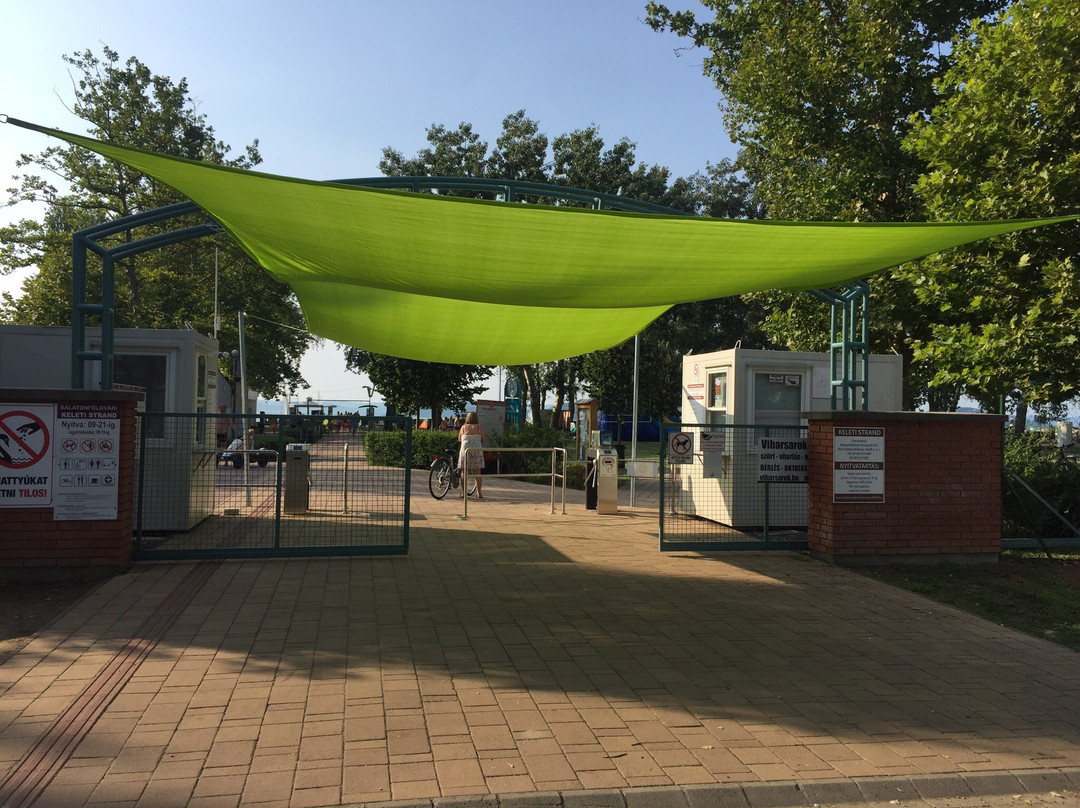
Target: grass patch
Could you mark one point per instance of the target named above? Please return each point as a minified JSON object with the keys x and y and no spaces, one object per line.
{"x":1025,"y":591}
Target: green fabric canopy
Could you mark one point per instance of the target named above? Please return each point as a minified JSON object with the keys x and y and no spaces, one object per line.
{"x":457,"y":280}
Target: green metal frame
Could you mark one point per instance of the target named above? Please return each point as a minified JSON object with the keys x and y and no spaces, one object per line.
{"x":850,"y":305}
{"x":849,"y":344}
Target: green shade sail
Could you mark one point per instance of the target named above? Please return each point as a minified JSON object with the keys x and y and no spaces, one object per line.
{"x":447,"y":279}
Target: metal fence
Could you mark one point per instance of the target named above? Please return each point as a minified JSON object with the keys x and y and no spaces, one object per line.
{"x":258,"y":485}
{"x":733,"y":487}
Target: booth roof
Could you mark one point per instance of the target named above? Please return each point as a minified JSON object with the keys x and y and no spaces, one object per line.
{"x":447,"y":279}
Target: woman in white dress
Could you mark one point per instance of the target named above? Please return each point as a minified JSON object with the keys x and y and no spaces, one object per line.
{"x":471,"y":435}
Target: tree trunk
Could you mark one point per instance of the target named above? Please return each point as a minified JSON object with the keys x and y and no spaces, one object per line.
{"x":556,"y":412}
{"x":1020,"y":423}
{"x":532,"y":382}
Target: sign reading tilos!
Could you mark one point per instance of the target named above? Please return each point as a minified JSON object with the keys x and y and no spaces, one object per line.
{"x":26,"y":455}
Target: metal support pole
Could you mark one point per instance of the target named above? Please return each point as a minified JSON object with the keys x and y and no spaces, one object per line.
{"x":108,"y":297}
{"x":552,"y":480}
{"x":633,"y":427}
{"x":345,"y":481}
{"x":243,"y":406}
{"x":78,"y":321}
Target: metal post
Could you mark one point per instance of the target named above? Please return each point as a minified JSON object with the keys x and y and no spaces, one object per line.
{"x":242,"y":380}
{"x":408,"y":483}
{"x":108,"y":296}
{"x":633,"y":427}
{"x":564,"y":482}
{"x":552,"y":480}
{"x":345,"y":480}
{"x":78,"y":297}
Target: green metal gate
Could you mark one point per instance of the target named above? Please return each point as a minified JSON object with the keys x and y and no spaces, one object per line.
{"x":733,"y":487}
{"x":294,"y":485}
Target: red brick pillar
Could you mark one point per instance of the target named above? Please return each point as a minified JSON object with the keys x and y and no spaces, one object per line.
{"x":36,"y":546}
{"x":941,"y":493}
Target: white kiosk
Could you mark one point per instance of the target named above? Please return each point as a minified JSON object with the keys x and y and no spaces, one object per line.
{"x":760,"y":391}
{"x":178,"y":372}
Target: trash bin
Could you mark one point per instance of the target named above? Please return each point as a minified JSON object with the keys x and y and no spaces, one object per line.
{"x":297,"y":484}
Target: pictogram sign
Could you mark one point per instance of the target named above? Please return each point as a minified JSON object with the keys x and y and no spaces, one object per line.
{"x":26,"y":455}
{"x":24,"y":439}
{"x":681,"y":447}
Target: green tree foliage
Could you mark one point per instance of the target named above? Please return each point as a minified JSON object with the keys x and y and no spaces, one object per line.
{"x":582,"y":159}
{"x":168,"y":288}
{"x":690,"y":328}
{"x":819,"y":96}
{"x":1004,"y":142}
{"x":408,"y":385}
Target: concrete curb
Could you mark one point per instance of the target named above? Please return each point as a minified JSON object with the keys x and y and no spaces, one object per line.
{"x":788,"y":794}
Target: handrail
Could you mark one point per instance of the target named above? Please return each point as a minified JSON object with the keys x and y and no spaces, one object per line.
{"x":551,"y":474}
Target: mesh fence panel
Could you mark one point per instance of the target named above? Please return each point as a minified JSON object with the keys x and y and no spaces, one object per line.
{"x":295,"y":485}
{"x":737,"y":486}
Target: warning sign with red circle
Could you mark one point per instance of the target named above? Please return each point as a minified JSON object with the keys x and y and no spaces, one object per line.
{"x":26,"y":462}
{"x":681,"y":447}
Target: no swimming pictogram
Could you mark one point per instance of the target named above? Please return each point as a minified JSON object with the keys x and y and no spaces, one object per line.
{"x":24,"y":439}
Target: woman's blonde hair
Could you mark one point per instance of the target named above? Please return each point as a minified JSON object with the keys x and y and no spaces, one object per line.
{"x":471,"y":418}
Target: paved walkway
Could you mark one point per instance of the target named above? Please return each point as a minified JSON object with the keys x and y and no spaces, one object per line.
{"x":560,"y":660}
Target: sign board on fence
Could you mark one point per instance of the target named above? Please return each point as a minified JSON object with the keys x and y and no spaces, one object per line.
{"x":782,"y":460}
{"x":680,"y":447}
{"x":26,"y":455}
{"x":87,"y":461}
{"x":713,"y":446}
{"x":858,"y":464}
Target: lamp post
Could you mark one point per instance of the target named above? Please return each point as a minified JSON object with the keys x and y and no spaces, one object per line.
{"x":369,"y":411}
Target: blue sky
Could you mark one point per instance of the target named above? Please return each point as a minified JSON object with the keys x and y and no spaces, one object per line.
{"x":325,"y":86}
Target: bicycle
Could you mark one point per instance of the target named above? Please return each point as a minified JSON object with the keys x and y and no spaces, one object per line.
{"x":445,"y":475}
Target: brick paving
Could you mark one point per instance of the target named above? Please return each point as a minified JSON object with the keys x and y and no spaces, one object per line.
{"x":559,"y":658}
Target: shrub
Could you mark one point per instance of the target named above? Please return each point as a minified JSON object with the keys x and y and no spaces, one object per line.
{"x":1055,"y":477}
{"x":528,"y":436}
{"x":388,"y":448}
{"x":385,"y":448}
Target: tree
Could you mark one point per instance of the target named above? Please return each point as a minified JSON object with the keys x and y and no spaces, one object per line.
{"x":698,"y":327}
{"x":1002,"y":143}
{"x":408,"y":385}
{"x":819,"y":96}
{"x":168,"y":288}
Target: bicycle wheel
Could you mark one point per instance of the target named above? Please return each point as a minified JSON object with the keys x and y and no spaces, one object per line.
{"x":472,"y":484}
{"x":440,"y":478}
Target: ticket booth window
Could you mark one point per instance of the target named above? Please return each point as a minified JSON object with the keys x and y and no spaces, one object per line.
{"x":778,"y":399}
{"x":718,"y":397}
{"x":148,"y":371}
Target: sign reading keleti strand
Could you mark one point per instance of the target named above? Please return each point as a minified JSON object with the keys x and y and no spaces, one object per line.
{"x":858,"y":464}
